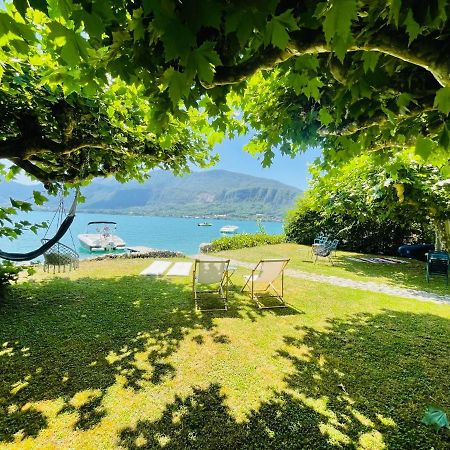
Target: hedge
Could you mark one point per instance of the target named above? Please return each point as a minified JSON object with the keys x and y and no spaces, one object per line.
{"x":246,"y":240}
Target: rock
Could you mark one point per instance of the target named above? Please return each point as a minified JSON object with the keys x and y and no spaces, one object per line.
{"x":150,"y":254}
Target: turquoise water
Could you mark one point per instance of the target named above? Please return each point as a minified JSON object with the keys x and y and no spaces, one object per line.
{"x":167,"y":233}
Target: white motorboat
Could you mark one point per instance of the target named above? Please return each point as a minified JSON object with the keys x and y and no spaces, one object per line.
{"x":103,"y":239}
{"x":229,"y":229}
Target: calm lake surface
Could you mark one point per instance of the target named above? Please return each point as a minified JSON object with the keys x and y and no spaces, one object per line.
{"x":168,"y":233}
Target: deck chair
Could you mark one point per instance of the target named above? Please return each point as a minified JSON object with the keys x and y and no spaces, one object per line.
{"x":263,"y":279}
{"x":209,"y":273}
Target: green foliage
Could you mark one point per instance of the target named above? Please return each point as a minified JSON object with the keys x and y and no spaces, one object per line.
{"x":371,"y":209}
{"x":9,"y":272}
{"x":180,"y":57}
{"x":245,"y":240}
{"x":130,"y":87}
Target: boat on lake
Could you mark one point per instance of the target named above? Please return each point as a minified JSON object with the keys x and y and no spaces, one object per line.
{"x":204,"y":224}
{"x":103,"y":239}
{"x":229,"y":229}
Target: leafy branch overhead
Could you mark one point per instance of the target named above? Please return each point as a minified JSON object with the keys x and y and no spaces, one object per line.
{"x":351,"y":76}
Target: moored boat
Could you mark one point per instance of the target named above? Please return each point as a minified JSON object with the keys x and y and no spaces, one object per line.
{"x":204,"y":224}
{"x":229,"y":229}
{"x":103,"y":239}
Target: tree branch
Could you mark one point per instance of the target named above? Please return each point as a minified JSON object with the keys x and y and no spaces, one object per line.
{"x":422,"y":52}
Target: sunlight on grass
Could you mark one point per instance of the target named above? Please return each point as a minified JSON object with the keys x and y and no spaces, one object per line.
{"x":118,"y":360}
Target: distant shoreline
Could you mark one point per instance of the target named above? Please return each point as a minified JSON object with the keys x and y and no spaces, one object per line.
{"x":140,"y":214}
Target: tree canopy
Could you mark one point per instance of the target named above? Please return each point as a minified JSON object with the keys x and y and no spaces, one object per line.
{"x":174,"y":76}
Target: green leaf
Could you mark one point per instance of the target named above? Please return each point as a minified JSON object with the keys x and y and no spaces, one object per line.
{"x":288,"y":20}
{"x":412,"y":27}
{"x":178,"y":40}
{"x":370,"y":60}
{"x":444,"y":138}
{"x":442,"y":100}
{"x":279,"y":37}
{"x":74,"y":47}
{"x":325,"y":117}
{"x":394,"y":11}
{"x":312,"y":88}
{"x":19,"y":204}
{"x":403,"y":100}
{"x":39,"y":199}
{"x":338,"y":20}
{"x":298,"y":81}
{"x":59,"y":8}
{"x":436,"y":417}
{"x":205,"y":58}
{"x":176,"y":83}
{"x":424,"y":147}
{"x":216,"y":137}
{"x":310,"y":62}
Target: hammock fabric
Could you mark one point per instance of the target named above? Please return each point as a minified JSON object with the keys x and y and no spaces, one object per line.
{"x":62,"y":230}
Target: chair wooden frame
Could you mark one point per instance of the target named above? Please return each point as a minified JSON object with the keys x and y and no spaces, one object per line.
{"x":252,"y":279}
{"x":222,"y":289}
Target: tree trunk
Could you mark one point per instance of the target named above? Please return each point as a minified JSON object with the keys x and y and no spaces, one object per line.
{"x":442,"y":228}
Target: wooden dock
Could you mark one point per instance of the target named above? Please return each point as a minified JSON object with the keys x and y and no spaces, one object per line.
{"x":140,"y":249}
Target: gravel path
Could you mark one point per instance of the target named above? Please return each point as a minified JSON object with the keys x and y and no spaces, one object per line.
{"x":353,"y":284}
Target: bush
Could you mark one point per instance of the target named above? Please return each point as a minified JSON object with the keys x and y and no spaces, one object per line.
{"x":372,"y":236}
{"x":9,"y":273}
{"x":245,"y":240}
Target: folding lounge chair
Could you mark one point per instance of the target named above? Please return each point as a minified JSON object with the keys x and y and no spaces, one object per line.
{"x":211,"y":273}
{"x":262,"y":279}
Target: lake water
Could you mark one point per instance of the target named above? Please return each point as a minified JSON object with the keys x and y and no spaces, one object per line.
{"x":167,"y":233}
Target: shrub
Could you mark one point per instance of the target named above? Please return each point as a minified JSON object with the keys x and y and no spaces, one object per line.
{"x":245,"y":240}
{"x":9,"y":273}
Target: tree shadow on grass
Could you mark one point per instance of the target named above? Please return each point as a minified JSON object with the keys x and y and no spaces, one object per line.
{"x":363,"y":383}
{"x":378,"y":374}
{"x":71,"y":339}
{"x":203,"y":421}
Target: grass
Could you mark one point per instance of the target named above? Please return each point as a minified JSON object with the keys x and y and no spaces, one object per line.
{"x":103,"y":358}
{"x":409,"y":275}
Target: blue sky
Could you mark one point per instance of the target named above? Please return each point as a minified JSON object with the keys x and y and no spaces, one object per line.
{"x":284,"y":169}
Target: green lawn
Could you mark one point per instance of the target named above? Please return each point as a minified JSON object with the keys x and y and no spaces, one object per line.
{"x":102,"y":358}
{"x":408,"y":275}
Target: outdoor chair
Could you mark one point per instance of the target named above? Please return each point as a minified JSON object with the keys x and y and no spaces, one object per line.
{"x":210,"y":273}
{"x":263,"y":279}
{"x":437,"y":265}
{"x":320,"y":239}
{"x":325,"y":250}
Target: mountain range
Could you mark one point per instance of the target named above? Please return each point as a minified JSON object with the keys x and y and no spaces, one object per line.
{"x":204,"y":194}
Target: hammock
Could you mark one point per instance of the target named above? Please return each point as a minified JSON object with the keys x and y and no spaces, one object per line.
{"x":62,"y":230}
